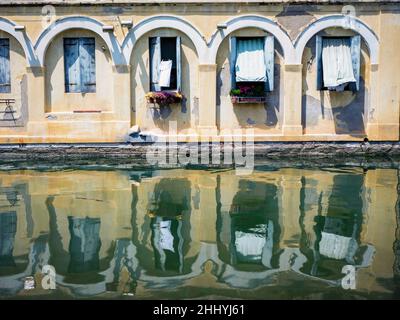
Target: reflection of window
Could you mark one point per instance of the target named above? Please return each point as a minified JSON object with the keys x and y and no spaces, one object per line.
{"x":165,"y":63}
{"x":8,"y":228}
{"x":5,"y":85}
{"x":338,"y":63}
{"x":252,"y":61}
{"x":167,"y":241}
{"x":85,"y":244}
{"x":80,"y":65}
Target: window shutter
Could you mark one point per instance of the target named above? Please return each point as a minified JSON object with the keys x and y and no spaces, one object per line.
{"x":87,"y":64}
{"x":232,"y":62}
{"x":71,"y":65}
{"x":155,"y":59}
{"x":355,"y":59}
{"x":5,"y":85}
{"x":318,"y":59}
{"x":269,"y":55}
{"x":178,"y":64}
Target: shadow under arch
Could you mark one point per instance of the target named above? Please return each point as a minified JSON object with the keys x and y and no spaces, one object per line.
{"x":78,"y":22}
{"x":338,"y":21}
{"x":23,"y":39}
{"x":164,"y":22}
{"x":252,"y":21}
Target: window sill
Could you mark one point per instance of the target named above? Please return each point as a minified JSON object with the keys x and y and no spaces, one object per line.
{"x":247,"y":100}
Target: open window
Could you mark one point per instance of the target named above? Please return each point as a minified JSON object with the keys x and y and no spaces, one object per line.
{"x":5,"y":83}
{"x":165,"y":63}
{"x":252,"y":67}
{"x":338,"y":63}
{"x":80,"y":65}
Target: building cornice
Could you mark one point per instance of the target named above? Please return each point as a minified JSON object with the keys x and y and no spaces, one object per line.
{"x":194,"y":2}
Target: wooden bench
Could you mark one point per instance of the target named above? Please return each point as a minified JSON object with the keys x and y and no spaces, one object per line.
{"x":9,"y":109}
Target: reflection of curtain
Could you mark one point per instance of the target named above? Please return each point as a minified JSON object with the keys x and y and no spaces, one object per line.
{"x":334,"y":246}
{"x":250,"y":62}
{"x":249,"y":244}
{"x":84,"y":244}
{"x":8,"y":228}
{"x":166,"y":238}
{"x":336,"y":62}
{"x":167,"y":242}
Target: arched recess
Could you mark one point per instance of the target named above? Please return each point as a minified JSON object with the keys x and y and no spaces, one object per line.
{"x":253,"y":22}
{"x":337,"y":113}
{"x":170,"y":22}
{"x":78,"y":22}
{"x":22,"y":38}
{"x":344,"y":22}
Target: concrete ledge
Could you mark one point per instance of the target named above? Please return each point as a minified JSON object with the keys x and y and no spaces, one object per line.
{"x":328,"y":153}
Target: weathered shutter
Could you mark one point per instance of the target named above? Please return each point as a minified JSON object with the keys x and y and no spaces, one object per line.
{"x":178,"y":64}
{"x":5,"y":85}
{"x":71,"y":65}
{"x":87,"y":64}
{"x":155,"y":59}
{"x":232,"y":62}
{"x":355,"y":59}
{"x":269,"y":55}
{"x":318,"y":59}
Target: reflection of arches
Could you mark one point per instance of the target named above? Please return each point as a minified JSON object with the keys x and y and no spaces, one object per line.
{"x":337,"y":21}
{"x":78,"y":22}
{"x":165,"y":238}
{"x":253,"y":22}
{"x":169,"y":22}
{"x":22,"y":38}
{"x":254,"y":229}
{"x":335,"y":238}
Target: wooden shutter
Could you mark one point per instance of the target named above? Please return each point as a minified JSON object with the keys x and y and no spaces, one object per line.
{"x":178,"y":65}
{"x":318,"y":59}
{"x":71,"y":65}
{"x":155,"y":59}
{"x":232,"y":61}
{"x":269,"y":55}
{"x":355,"y":47}
{"x":87,"y":62}
{"x":5,"y":83}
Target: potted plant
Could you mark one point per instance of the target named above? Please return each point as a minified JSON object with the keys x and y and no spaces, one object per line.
{"x":164,"y":98}
{"x":248,"y":93}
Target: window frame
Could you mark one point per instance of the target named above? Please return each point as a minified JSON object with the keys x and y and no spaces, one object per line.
{"x":5,"y":87}
{"x":82,"y":70}
{"x":355,"y":44}
{"x":155,"y":54}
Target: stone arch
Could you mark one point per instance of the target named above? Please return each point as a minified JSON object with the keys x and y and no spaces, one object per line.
{"x":164,"y":21}
{"x":345,"y":22}
{"x":253,"y":22}
{"x":78,"y":22}
{"x":26,"y":44}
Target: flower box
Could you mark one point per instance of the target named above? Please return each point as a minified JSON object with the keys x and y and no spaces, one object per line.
{"x":243,"y":100}
{"x":164,"y":98}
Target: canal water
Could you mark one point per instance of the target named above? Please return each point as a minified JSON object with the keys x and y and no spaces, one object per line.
{"x":288,"y":233}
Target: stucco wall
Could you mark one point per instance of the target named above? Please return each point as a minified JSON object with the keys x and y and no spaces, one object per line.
{"x":328,"y":111}
{"x":57,"y":100}
{"x":17,"y":72}
{"x":148,"y":116}
{"x":260,"y":117}
{"x":295,"y":110}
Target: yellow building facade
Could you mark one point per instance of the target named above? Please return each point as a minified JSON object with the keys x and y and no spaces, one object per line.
{"x":37,"y":107}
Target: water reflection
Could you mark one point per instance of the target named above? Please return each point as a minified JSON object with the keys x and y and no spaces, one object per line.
{"x":157,"y":234}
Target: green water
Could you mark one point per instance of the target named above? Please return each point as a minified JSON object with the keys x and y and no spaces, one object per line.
{"x":175,"y":234}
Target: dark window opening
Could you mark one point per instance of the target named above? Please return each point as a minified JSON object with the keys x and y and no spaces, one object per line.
{"x":168,"y":52}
